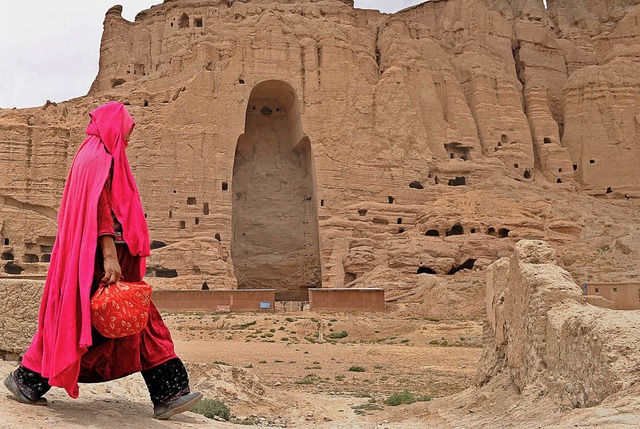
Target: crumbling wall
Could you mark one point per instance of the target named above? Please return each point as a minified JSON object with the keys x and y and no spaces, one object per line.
{"x":542,"y":336}
{"x":19,"y":304}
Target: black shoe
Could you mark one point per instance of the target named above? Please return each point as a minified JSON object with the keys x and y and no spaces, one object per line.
{"x":12,"y":386}
{"x":179,"y":405}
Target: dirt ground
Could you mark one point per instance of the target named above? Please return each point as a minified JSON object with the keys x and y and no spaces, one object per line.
{"x":294,"y":369}
{"x":333,"y":355}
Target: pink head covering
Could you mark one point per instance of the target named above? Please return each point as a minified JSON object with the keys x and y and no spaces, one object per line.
{"x":64,"y":323}
{"x":112,"y":122}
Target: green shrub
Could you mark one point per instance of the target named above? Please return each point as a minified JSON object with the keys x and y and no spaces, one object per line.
{"x":406,"y":397}
{"x":289,"y":319}
{"x":356,"y":368}
{"x":245,"y":325}
{"x":211,"y":408}
{"x":341,"y":334}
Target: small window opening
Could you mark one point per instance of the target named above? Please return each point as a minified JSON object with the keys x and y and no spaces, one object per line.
{"x":46,"y":258}
{"x":197,"y":221}
{"x":559,"y":170}
{"x":456,"y":229}
{"x":266,"y":111}
{"x":527,"y":174}
{"x":547,"y":140}
{"x":473,"y":230}
{"x":156,"y":244}
{"x":597,"y":290}
{"x":191,"y":201}
{"x":426,"y":270}
{"x":615,"y":289}
{"x":467,"y":265}
{"x":145,"y":215}
{"x":491,"y":231}
{"x":362,"y":212}
{"x":503,"y":232}
{"x":183,"y":224}
{"x":146,"y":103}
{"x":416,"y":185}
{"x":174,"y":191}
{"x":458,"y":181}
{"x":515,"y":165}
{"x":205,"y":286}
{"x":6,"y":241}
{"x":170,"y":213}
{"x":349,"y":277}
{"x":559,"y":181}
{"x":321,"y":203}
{"x":197,"y":22}
{"x":184,"y":21}
{"x":432,"y":233}
{"x":399,"y":221}
{"x":592,"y":161}
{"x":241,"y":81}
{"x":390,"y":198}
{"x":117,"y":82}
{"x":13,"y":268}
{"x":609,"y":190}
{"x":503,"y":138}
{"x":217,"y":236}
{"x":166,"y":273}
{"x":205,"y":209}
{"x":30,"y":258}
{"x":225,"y":186}
{"x":575,"y":167}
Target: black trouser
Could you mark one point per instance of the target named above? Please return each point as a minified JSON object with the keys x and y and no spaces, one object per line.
{"x":165,"y":382}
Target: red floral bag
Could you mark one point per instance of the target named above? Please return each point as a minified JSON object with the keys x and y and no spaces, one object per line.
{"x":120,"y":309}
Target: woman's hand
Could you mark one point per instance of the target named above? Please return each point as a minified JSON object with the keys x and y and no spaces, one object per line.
{"x":112,"y":270}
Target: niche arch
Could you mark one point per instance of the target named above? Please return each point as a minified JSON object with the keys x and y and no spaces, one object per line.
{"x":275,"y":239}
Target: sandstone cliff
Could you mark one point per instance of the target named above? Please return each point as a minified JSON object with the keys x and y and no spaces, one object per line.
{"x":318,"y":143}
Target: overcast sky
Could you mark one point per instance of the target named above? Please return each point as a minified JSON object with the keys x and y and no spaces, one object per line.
{"x":49,"y":49}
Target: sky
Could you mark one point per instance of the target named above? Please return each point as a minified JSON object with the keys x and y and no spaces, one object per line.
{"x":49,"y":50}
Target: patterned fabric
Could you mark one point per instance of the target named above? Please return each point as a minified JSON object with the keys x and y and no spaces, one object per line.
{"x":167,"y":382}
{"x":117,"y":229}
{"x":120,"y":309}
{"x":31,"y":384}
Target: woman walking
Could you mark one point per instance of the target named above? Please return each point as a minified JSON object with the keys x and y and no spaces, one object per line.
{"x":102,"y":238}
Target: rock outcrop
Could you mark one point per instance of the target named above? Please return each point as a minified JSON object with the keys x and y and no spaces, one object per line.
{"x":549,"y":359}
{"x":542,"y":336}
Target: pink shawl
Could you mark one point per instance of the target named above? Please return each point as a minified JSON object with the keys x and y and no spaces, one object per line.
{"x":64,"y":323}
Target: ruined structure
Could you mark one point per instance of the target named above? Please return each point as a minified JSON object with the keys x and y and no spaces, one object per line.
{"x":294,"y":144}
{"x":549,"y":358}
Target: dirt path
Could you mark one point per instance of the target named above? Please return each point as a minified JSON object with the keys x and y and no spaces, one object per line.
{"x":297,"y":370}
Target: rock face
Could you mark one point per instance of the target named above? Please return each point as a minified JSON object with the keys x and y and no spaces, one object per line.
{"x":318,"y":143}
{"x":19,"y":301}
{"x":542,"y":337}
